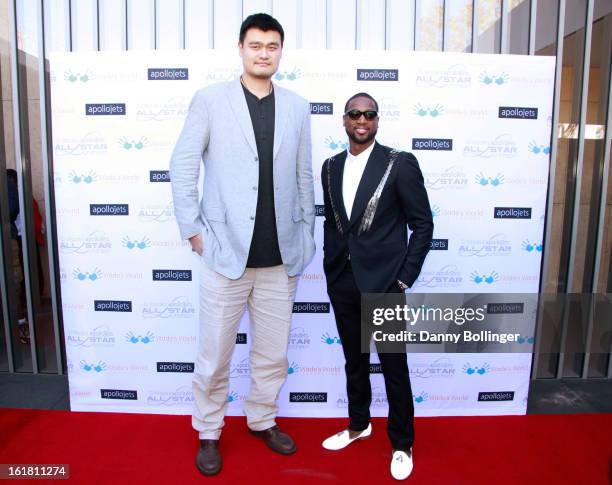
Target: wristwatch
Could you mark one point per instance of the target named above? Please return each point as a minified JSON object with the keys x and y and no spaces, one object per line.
{"x":403,"y":286}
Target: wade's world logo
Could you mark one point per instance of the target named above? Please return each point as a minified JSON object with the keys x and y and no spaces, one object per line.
{"x":78,"y":77}
{"x":137,"y":244}
{"x":92,"y":275}
{"x":86,"y":179}
{"x":531,"y":247}
{"x":290,"y":75}
{"x":336,"y":144}
{"x":424,"y":111}
{"x":488,"y":180}
{"x":538,"y":149}
{"x":484,"y":278}
{"x":494,"y":79}
{"x":134,"y":144}
{"x":139,"y":338}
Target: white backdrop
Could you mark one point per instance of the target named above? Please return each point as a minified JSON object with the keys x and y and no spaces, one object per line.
{"x":478,"y":124}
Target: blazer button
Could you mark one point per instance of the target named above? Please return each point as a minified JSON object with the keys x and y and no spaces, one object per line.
{"x":254,"y":187}
{"x":256,"y":159}
{"x":252,"y":218}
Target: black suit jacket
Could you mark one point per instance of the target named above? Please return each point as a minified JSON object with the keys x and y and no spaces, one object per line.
{"x":381,"y":254}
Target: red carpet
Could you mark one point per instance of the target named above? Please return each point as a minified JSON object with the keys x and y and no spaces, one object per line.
{"x":133,"y":448}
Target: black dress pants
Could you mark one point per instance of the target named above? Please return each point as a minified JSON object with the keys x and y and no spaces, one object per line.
{"x":345,"y":298}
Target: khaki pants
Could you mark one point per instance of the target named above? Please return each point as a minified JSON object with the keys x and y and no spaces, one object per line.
{"x":269,"y":294}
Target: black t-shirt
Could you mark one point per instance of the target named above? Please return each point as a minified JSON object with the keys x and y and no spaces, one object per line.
{"x":264,"y":251}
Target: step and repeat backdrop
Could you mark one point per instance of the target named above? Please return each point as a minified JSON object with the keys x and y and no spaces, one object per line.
{"x":480,"y":126}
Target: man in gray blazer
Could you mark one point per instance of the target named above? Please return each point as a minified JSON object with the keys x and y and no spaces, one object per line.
{"x":253,"y":230}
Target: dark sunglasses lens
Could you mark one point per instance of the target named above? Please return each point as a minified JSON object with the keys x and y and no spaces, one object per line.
{"x":355,"y":114}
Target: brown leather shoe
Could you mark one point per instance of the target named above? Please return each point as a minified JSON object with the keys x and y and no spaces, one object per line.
{"x":276,"y":440}
{"x":208,"y":459}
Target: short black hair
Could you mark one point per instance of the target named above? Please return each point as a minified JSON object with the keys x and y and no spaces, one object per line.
{"x":360,"y":95}
{"x":261,"y":21}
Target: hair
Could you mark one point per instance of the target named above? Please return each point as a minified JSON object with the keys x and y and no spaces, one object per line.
{"x":11,"y":174}
{"x":261,"y":21}
{"x":360,"y":95}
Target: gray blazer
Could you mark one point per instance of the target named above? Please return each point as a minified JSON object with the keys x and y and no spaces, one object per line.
{"x":219,"y":133}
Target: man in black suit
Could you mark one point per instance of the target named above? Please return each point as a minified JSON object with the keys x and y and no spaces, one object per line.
{"x":371,"y":192}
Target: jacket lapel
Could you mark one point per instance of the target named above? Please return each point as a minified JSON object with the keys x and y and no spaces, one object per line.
{"x":337,"y":173}
{"x":373,"y":173}
{"x":281,"y":113}
{"x":241,"y":112}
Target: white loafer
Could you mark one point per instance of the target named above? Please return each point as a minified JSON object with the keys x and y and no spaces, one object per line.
{"x":401,"y":464}
{"x":342,"y":440}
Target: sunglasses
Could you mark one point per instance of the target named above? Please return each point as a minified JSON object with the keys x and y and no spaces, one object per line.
{"x":355,"y":114}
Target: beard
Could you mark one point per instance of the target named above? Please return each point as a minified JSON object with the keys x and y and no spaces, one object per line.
{"x":362,"y":141}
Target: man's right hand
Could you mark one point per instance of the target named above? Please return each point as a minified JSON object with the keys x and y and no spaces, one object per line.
{"x":196,"y":244}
